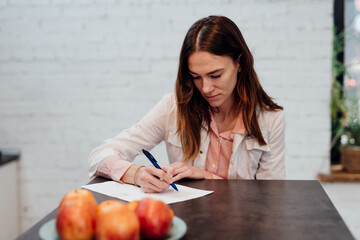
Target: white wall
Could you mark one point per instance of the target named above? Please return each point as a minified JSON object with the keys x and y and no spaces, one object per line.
{"x":73,"y":73}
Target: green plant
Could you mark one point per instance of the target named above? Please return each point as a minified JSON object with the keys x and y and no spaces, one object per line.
{"x":344,"y":109}
{"x":337,"y":106}
{"x":351,"y":130}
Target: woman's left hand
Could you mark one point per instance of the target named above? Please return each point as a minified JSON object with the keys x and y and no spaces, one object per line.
{"x":181,"y":170}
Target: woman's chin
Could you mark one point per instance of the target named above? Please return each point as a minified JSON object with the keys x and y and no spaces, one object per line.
{"x":214,"y":105}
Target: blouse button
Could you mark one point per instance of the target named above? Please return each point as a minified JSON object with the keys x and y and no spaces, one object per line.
{"x":201,"y":152}
{"x":213,"y":165}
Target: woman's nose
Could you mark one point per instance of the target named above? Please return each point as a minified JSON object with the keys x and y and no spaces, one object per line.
{"x":207,"y":85}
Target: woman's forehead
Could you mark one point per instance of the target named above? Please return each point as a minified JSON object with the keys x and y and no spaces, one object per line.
{"x":205,"y":62}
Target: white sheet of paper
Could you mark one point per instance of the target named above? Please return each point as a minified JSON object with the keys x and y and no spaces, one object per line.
{"x":130,"y":193}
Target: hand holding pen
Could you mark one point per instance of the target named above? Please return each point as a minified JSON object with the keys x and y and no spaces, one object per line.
{"x":154,"y":162}
{"x":154,"y":180}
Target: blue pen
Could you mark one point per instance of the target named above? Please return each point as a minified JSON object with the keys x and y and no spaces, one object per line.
{"x":154,"y":162}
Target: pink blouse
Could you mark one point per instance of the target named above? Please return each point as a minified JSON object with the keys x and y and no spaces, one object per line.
{"x":220,"y":148}
{"x":112,"y":168}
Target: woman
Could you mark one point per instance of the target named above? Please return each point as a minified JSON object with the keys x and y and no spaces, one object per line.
{"x":219,"y":123}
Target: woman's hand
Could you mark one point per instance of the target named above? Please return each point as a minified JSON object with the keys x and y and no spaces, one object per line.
{"x":154,"y":180}
{"x":179,"y":170}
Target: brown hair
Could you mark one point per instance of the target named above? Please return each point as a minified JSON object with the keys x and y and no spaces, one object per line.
{"x":220,"y":36}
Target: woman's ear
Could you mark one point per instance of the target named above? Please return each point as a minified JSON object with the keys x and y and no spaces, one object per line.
{"x":238,"y":62}
{"x":239,"y":67}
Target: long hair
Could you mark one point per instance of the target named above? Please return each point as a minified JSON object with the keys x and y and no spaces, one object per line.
{"x":220,"y":36}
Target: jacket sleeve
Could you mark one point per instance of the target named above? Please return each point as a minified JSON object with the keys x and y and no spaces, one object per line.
{"x":124,"y":147}
{"x":272,"y":163}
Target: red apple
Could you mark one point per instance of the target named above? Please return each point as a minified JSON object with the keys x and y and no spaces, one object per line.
{"x":155,"y":218}
{"x":77,"y":194}
{"x":116,"y":221}
{"x":76,"y":220}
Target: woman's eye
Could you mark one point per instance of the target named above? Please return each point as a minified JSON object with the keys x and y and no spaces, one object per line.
{"x":195,"y":78}
{"x":216,"y":76}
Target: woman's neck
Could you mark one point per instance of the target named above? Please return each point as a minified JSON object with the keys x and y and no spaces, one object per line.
{"x":225,"y":117}
{"x":225,"y":111}
{"x":221,"y":114}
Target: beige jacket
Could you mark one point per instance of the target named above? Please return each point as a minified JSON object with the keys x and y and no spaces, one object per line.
{"x":248,"y":161}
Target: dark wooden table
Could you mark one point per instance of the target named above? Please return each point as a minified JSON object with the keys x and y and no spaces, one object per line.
{"x":248,"y":209}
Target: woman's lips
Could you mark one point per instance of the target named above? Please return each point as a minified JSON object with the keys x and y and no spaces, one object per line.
{"x":212,"y":97}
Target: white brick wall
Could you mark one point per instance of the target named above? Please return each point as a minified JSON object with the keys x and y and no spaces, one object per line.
{"x":73,"y":73}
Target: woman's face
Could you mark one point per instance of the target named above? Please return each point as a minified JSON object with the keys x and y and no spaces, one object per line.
{"x":215,"y":77}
